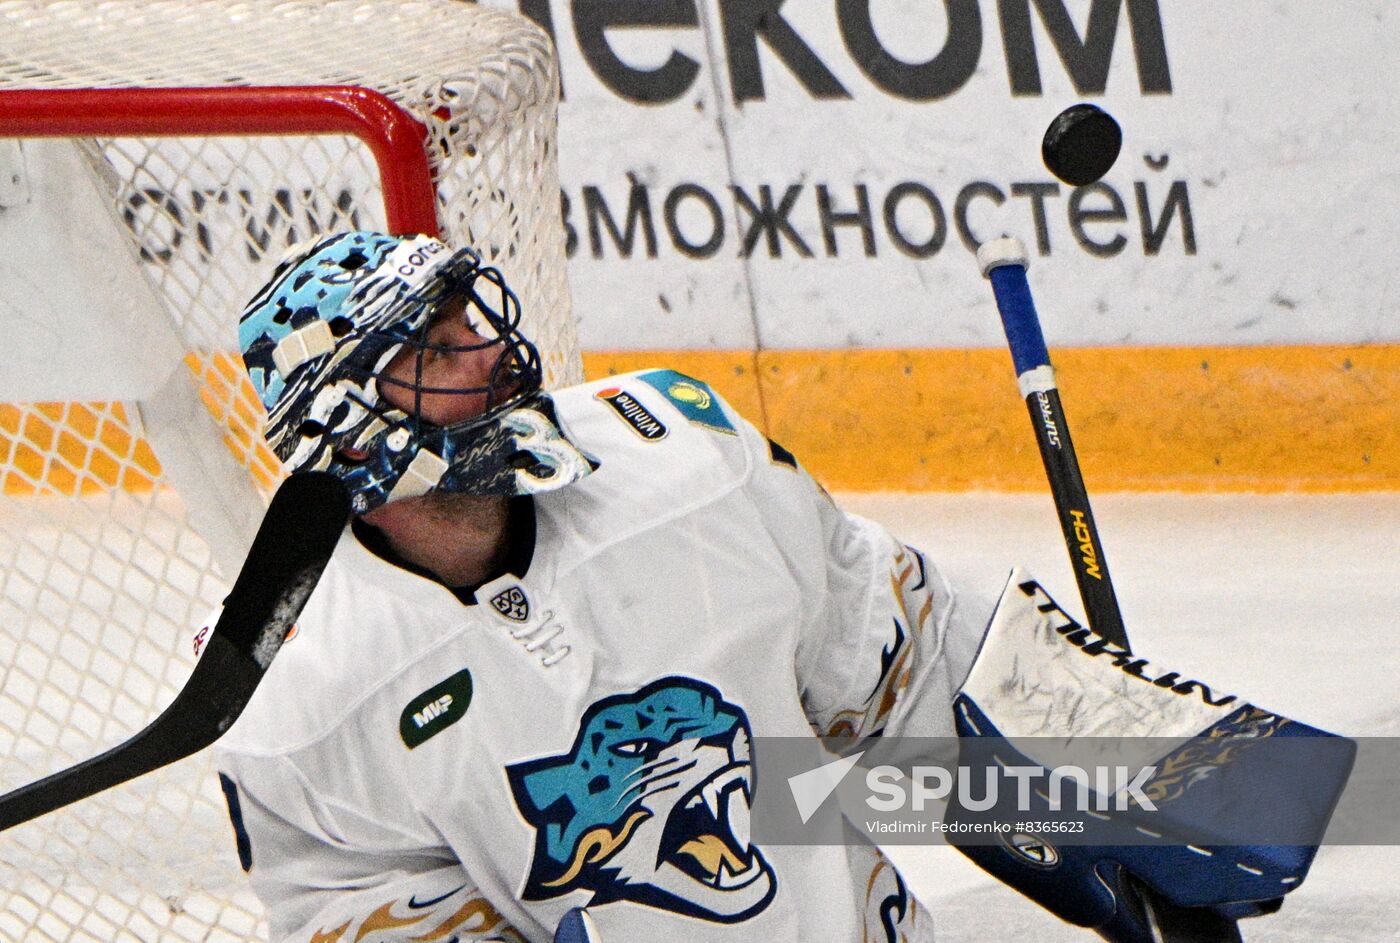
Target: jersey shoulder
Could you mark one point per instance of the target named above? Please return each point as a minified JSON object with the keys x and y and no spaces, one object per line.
{"x":667,"y":405}
{"x":659,"y":427}
{"x":666,"y":445}
{"x":657,"y":407}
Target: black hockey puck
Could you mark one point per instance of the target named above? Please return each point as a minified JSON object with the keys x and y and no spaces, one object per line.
{"x":1081,"y":144}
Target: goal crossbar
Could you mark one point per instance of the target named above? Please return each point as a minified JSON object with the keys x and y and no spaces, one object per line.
{"x":393,"y":136}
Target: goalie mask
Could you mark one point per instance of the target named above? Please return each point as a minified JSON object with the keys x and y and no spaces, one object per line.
{"x":317,"y":341}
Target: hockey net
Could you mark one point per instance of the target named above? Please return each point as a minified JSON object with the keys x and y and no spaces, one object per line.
{"x":125,"y":513}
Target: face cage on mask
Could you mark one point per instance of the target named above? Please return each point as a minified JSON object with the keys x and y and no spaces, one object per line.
{"x":516,"y":375}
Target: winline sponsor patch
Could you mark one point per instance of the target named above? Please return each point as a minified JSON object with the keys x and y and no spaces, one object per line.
{"x":436,"y":709}
{"x":633,"y":413}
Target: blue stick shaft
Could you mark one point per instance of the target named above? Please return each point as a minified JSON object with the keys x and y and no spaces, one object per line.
{"x":1018,"y":318}
{"x":1028,"y":352}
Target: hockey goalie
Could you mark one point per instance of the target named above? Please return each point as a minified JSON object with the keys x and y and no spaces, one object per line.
{"x":530,"y":676}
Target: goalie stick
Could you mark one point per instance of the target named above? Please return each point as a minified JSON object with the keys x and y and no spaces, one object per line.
{"x":1003,"y":262}
{"x":293,"y":544}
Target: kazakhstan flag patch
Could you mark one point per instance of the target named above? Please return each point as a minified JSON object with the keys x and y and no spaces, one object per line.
{"x":694,"y":398}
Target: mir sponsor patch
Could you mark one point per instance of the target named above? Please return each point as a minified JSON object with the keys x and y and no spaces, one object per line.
{"x":633,"y":413}
{"x":436,"y":709}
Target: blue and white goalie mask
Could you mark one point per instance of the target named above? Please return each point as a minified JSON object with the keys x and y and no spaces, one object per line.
{"x":318,"y":342}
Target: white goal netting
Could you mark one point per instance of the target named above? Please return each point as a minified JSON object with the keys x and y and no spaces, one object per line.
{"x":121,"y":515}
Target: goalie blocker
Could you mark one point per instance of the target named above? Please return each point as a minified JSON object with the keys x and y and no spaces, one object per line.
{"x":1236,"y":798}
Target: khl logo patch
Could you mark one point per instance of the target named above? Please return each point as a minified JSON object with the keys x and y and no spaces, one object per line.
{"x":512,"y":603}
{"x":650,"y":805}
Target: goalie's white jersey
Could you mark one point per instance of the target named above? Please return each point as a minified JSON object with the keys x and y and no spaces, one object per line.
{"x":417,"y":768}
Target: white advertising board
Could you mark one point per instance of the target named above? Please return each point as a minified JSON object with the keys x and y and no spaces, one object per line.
{"x":790,"y":174}
{"x":815,"y":173}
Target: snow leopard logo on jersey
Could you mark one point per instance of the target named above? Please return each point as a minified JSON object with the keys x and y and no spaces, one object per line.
{"x":650,"y":805}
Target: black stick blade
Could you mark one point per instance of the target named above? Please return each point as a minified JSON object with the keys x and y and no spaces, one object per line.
{"x":295,"y":541}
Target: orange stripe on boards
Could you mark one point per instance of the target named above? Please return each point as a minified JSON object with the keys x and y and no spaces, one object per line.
{"x":873,"y":420}
{"x":1306,"y":418}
